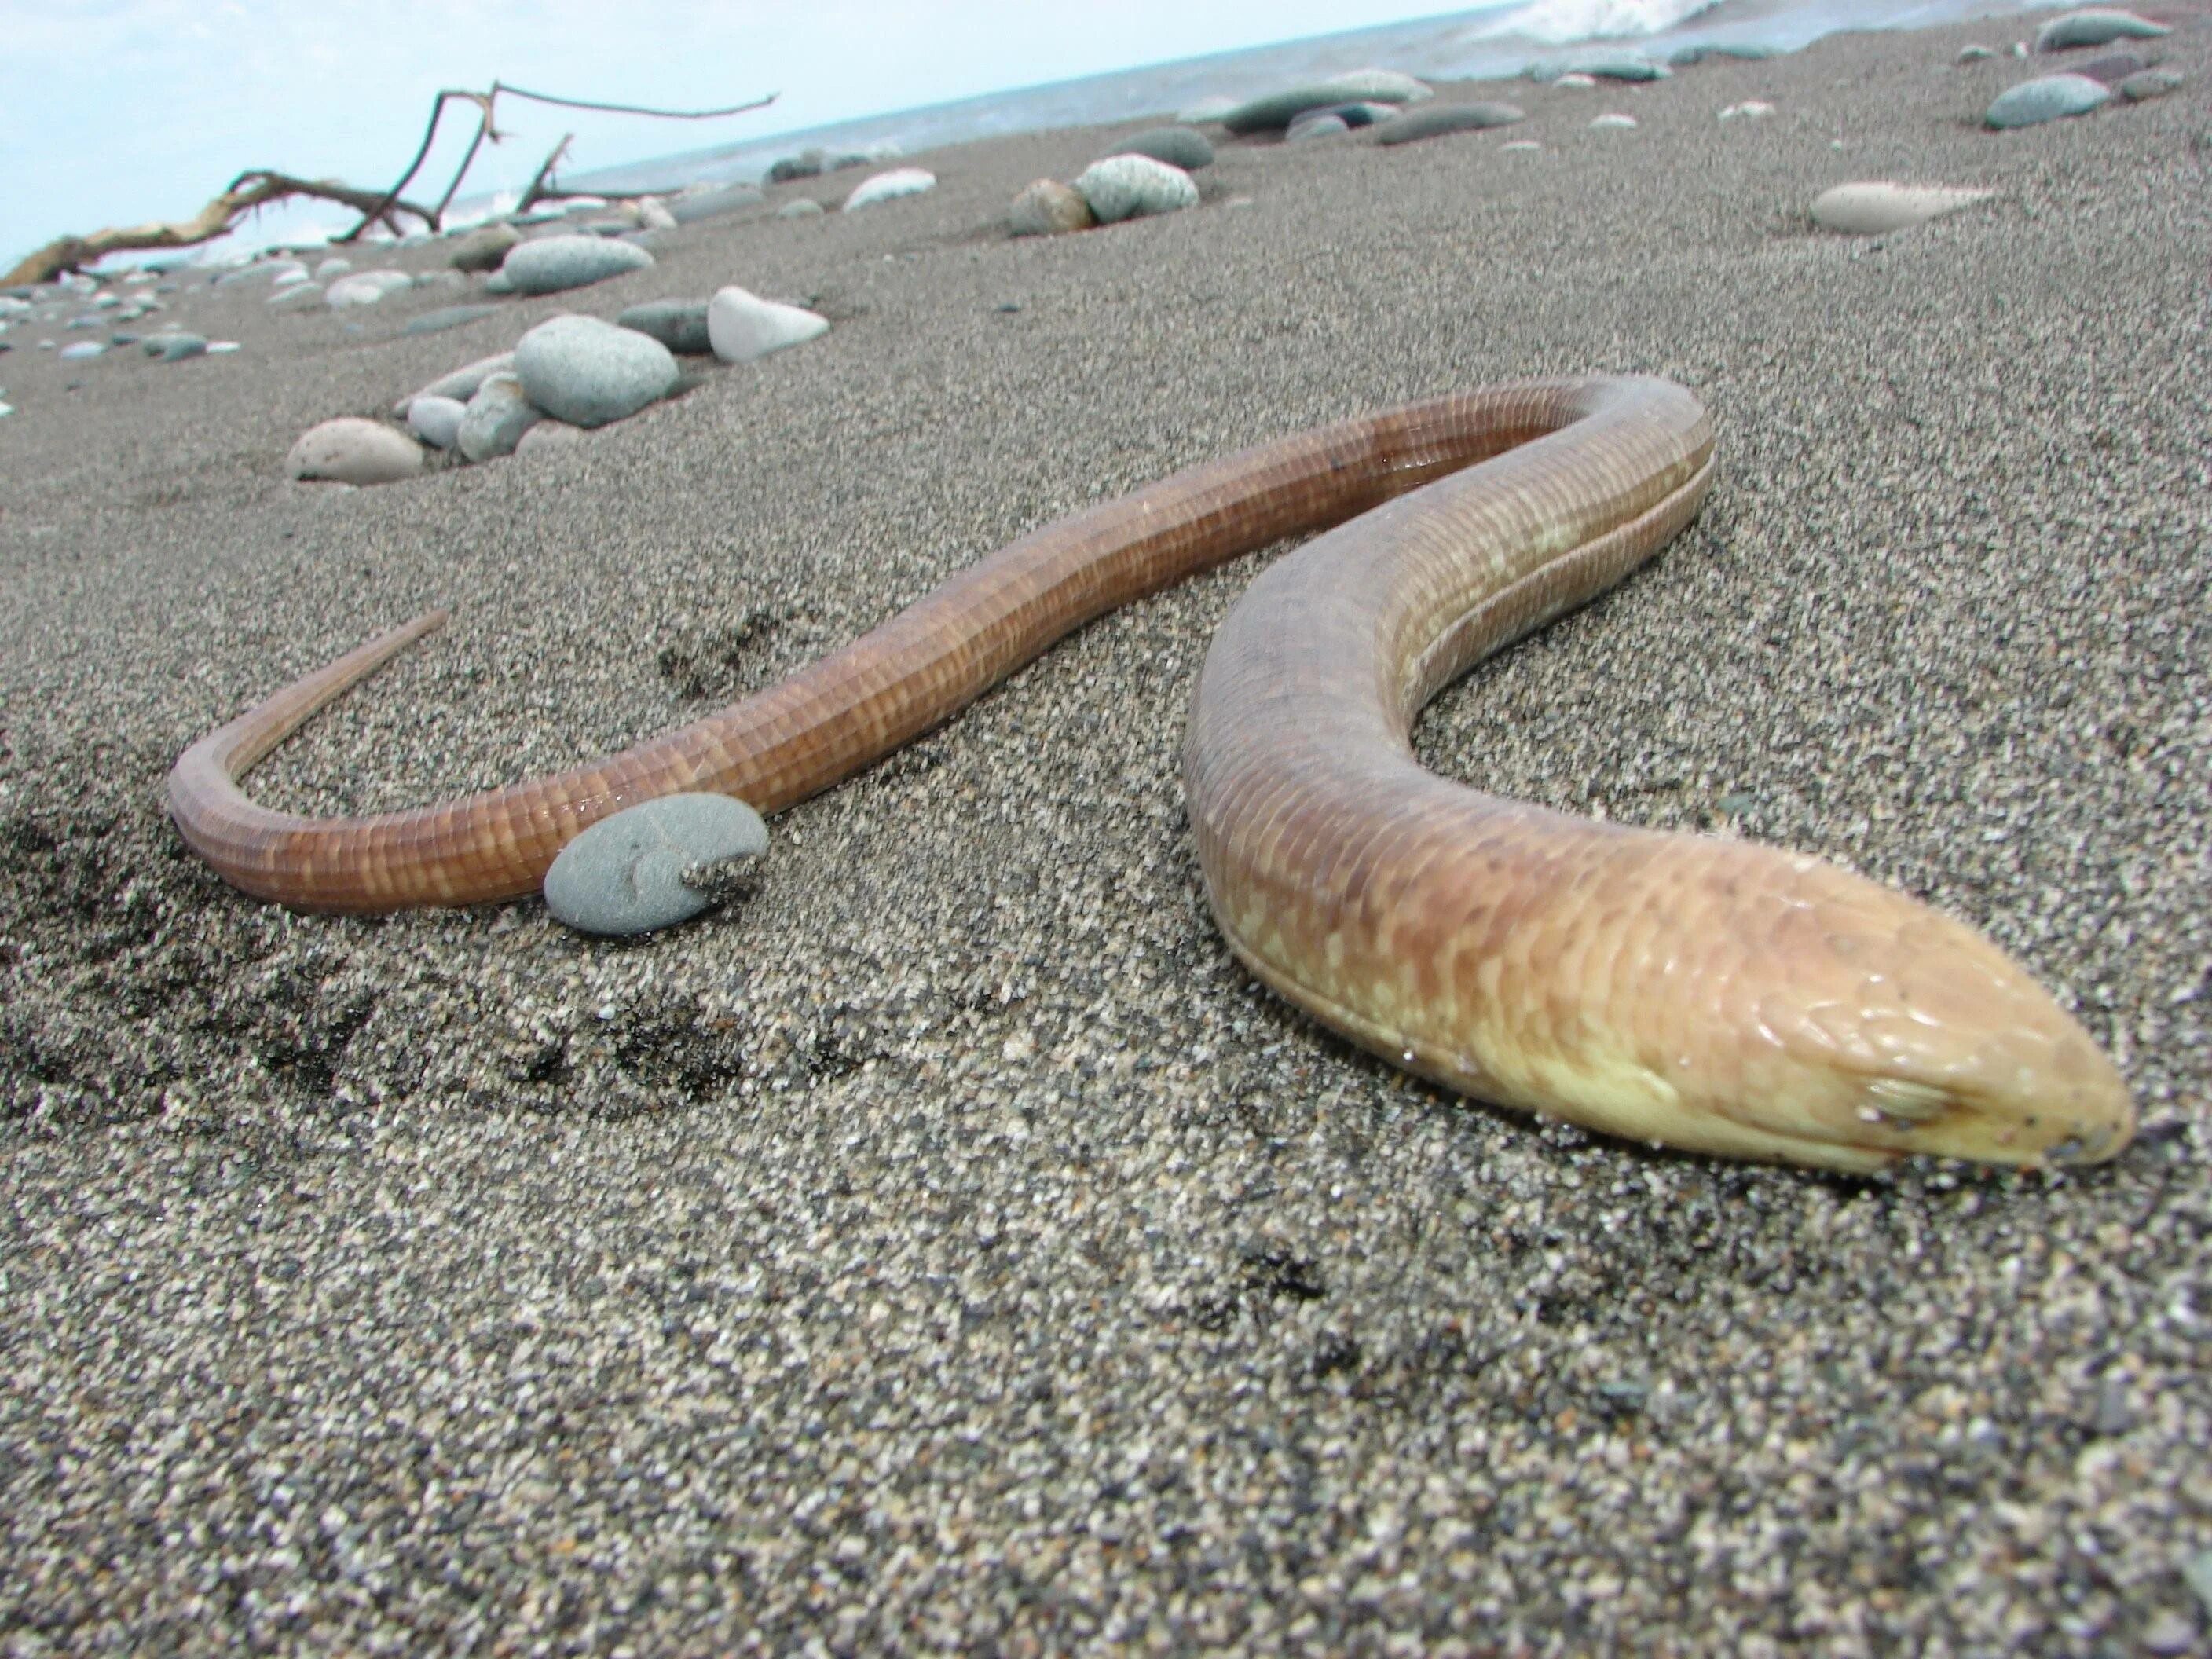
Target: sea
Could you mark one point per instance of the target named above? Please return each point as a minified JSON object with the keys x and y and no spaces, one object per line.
{"x":1495,"y":42}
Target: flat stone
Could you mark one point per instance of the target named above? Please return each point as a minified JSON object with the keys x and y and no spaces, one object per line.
{"x":1179,"y":146}
{"x":1614,"y":118}
{"x":1276,"y":111}
{"x":890,"y":186}
{"x":174,"y":348}
{"x":445,"y":317}
{"x":1045,"y":207}
{"x":800,"y":207}
{"x":1877,"y":207}
{"x":1743,"y":52}
{"x":679,"y":324}
{"x":483,"y":248}
{"x":743,"y":327}
{"x":713,"y":203}
{"x":553,"y":264}
{"x":353,"y":451}
{"x":1316,"y":124}
{"x":1132,"y":187}
{"x":1603,"y":65}
{"x":335,"y":265}
{"x":2151,"y":83}
{"x":301,"y":296}
{"x":436,"y":421}
{"x":588,"y":372}
{"x":625,"y":874}
{"x":495,"y":419}
{"x":461,"y":383}
{"x":2097,"y":26}
{"x":364,"y":288}
{"x":1975,"y":54}
{"x":2112,"y":68}
{"x":1435,"y":120}
{"x":2050,"y":98}
{"x":82,"y":350}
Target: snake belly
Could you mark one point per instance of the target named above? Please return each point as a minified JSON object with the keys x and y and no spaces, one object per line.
{"x":1705,"y":994}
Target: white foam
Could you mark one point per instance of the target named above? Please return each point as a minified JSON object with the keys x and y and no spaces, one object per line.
{"x":1559,"y":22}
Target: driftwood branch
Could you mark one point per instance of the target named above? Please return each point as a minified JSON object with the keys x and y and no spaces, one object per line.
{"x":256,"y":188}
{"x":541,"y":183}
{"x":485,"y":103}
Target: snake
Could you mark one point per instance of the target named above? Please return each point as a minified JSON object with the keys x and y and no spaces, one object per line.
{"x":1699,"y":992}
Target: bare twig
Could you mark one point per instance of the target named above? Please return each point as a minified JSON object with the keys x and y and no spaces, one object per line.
{"x":255,"y":188}
{"x":485,"y":102}
{"x":541,"y":184}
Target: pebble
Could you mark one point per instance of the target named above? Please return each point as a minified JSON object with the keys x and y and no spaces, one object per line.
{"x":304,"y":296}
{"x":890,"y":186}
{"x":461,"y":383}
{"x":2051,"y":98}
{"x":1132,"y":186}
{"x":223,"y":347}
{"x":1752,"y":109}
{"x":499,"y":282}
{"x":1574,"y":82}
{"x":1205,"y":110}
{"x":1520,"y":144}
{"x":2170,"y":1634}
{"x":335,"y":265}
{"x":1972,"y":54}
{"x":1315,"y":124}
{"x":800,"y":207}
{"x":1435,"y":120}
{"x":548,"y":437}
{"x":174,"y":348}
{"x":296,"y":274}
{"x":351,"y":450}
{"x":625,"y":874}
{"x":1276,"y":111}
{"x":1601,"y":66}
{"x":483,"y":248}
{"x":743,"y":327}
{"x":1045,"y":207}
{"x":1179,"y":146}
{"x":679,"y":324}
{"x":554,"y":265}
{"x":2151,"y":83}
{"x":436,"y":421}
{"x":2113,"y":67}
{"x":1876,"y":207}
{"x":445,"y":317}
{"x":1613,"y":119}
{"x":652,"y":214}
{"x":364,"y":288}
{"x":82,"y":350}
{"x":2095,"y":28}
{"x":712,"y":204}
{"x":1745,"y":52}
{"x":495,"y":419}
{"x":589,"y":371}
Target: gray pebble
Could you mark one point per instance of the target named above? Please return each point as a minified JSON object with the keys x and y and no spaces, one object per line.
{"x":2149,"y":83}
{"x":445,"y":317}
{"x":436,"y":421}
{"x":1275,"y":111}
{"x":1324,"y":125}
{"x":2095,"y":28}
{"x":174,"y":348}
{"x":554,"y":265}
{"x":495,"y":419}
{"x":588,"y":372}
{"x":679,"y":324}
{"x":1434,"y":120}
{"x":461,"y":383}
{"x":1179,"y":146}
{"x":2114,"y":1414}
{"x":2050,"y":98}
{"x":499,"y":282}
{"x":710,"y":204}
{"x":1130,"y":186}
{"x":625,"y":874}
{"x":801,"y":207}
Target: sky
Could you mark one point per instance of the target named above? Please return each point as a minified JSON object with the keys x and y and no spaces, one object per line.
{"x":115,"y":112}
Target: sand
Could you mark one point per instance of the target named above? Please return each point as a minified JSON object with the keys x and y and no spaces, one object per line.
{"x":951,"y":1249}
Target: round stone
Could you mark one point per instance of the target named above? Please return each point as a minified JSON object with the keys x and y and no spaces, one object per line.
{"x":800,"y":207}
{"x":1179,"y":146}
{"x":82,"y":350}
{"x":2149,"y":83}
{"x":712,"y":204}
{"x":679,"y":324}
{"x":335,"y":265}
{"x":1614,"y":118}
{"x":588,"y":372}
{"x":483,"y":248}
{"x":890,"y":186}
{"x":742,"y":326}
{"x":1316,"y":124}
{"x":1876,"y":207}
{"x":461,"y":383}
{"x":1275,"y":111}
{"x":495,"y":419}
{"x":499,"y":282}
{"x":350,"y":450}
{"x":301,"y":296}
{"x":1046,"y":207}
{"x":174,"y":348}
{"x":1435,"y":120}
{"x":1130,"y":186}
{"x":626,"y":874}
{"x":364,"y":288}
{"x":553,"y":264}
{"x":436,"y":421}
{"x":2051,"y":98}
{"x":2095,"y":28}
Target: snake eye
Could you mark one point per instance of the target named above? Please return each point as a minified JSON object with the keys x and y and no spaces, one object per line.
{"x":1916,"y":1103}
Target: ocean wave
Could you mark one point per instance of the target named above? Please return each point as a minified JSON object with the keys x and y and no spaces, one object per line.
{"x":1561,"y":22}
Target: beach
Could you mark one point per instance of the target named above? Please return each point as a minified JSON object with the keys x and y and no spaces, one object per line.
{"x":950,"y":1247}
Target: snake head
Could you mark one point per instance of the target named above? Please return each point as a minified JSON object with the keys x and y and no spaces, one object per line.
{"x":1868,"y":1027}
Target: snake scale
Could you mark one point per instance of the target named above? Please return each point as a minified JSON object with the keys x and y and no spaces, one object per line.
{"x":1704,"y":993}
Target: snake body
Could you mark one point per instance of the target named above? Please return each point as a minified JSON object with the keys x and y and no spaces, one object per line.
{"x":1704,"y":993}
